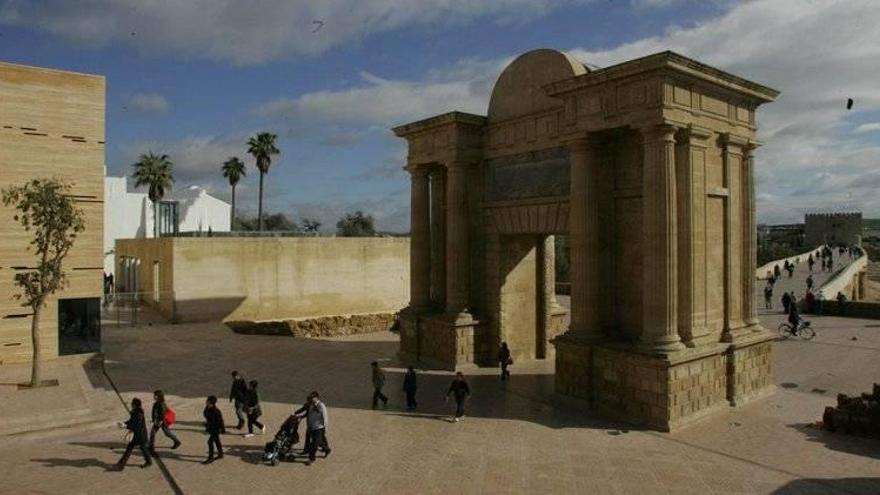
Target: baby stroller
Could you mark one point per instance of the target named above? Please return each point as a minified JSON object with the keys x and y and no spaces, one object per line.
{"x":285,"y":439}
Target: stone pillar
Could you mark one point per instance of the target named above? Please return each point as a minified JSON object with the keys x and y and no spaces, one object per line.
{"x":457,"y":247}
{"x":750,"y":237}
{"x":438,"y":237}
{"x":584,"y":239}
{"x":690,"y":160}
{"x":420,"y":239}
{"x":733,"y":252}
{"x":659,"y":242}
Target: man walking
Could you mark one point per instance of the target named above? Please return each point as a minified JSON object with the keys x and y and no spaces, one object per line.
{"x":460,"y":390}
{"x":786,"y":301}
{"x":137,"y":425}
{"x":409,"y":388}
{"x":768,"y":296}
{"x":214,"y":425}
{"x":378,"y":383}
{"x":504,"y":360}
{"x":316,"y":425}
{"x":238,"y":396}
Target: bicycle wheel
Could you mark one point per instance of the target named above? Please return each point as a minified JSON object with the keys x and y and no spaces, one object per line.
{"x":806,"y":333}
{"x":784,"y":330}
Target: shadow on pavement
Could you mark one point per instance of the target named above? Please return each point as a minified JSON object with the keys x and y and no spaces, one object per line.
{"x":852,"y":486}
{"x":850,"y":444}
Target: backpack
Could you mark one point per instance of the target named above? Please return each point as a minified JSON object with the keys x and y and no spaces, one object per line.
{"x":170,"y":416}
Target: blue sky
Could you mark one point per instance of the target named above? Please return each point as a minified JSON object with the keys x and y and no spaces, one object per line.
{"x":194,"y":79}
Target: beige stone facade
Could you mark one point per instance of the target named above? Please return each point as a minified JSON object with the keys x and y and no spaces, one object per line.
{"x":51,"y":125}
{"x":647,"y":166}
{"x":258,"y":279}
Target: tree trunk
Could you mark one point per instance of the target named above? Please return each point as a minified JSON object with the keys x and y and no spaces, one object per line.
{"x":36,"y":363}
{"x":232,"y":213}
{"x":260,"y":206}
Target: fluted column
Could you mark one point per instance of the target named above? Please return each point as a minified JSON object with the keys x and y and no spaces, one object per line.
{"x":734,"y":252}
{"x":438,"y":237}
{"x":457,"y":248}
{"x":659,"y":242}
{"x":584,"y":238}
{"x":420,"y":239}
{"x":750,"y":239}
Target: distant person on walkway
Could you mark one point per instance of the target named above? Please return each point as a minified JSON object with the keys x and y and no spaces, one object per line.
{"x":768,"y":296}
{"x":790,"y":269}
{"x":316,"y":427}
{"x":504,"y":360}
{"x":215,"y":426}
{"x":820,"y":301}
{"x":137,"y":426}
{"x":809,"y":282}
{"x":776,"y":271}
{"x":786,"y":301}
{"x":841,"y":303}
{"x":238,"y":396}
{"x":824,"y":264}
{"x":410,"y":385}
{"x":810,"y":299}
{"x":461,"y":392}
{"x":159,"y":418}
{"x":830,"y":264}
{"x":378,"y":383}
{"x":811,"y":262}
{"x":253,"y":409}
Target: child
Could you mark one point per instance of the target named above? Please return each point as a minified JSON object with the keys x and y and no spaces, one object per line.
{"x":215,"y":426}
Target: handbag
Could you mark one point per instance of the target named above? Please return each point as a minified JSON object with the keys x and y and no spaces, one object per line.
{"x":170,"y":417}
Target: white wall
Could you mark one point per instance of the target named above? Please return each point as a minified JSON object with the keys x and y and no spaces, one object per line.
{"x":129,"y":215}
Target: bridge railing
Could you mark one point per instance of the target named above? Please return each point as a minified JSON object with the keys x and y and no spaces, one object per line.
{"x":761,"y":271}
{"x":844,"y":277}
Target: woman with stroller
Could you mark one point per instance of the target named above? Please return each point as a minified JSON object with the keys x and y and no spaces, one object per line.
{"x":253,"y":410}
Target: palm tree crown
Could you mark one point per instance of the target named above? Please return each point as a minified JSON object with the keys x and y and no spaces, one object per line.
{"x":155,"y":172}
{"x":233,"y":170}
{"x":262,"y":147}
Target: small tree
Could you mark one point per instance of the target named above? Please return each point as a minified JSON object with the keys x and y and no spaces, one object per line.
{"x":356,"y":224}
{"x":310,"y":226}
{"x":46,"y":208}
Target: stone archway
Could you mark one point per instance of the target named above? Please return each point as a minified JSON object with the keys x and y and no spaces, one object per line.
{"x":647,"y":166}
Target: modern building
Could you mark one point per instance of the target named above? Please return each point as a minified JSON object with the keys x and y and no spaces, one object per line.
{"x":129,"y":215}
{"x":833,"y":228}
{"x":52,"y":125}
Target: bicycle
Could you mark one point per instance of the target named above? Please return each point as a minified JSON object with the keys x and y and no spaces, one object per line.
{"x":805,"y":331}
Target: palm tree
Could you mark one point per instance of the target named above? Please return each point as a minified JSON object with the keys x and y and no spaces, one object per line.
{"x":262,"y":147}
{"x":233,"y":169}
{"x":153,"y":171}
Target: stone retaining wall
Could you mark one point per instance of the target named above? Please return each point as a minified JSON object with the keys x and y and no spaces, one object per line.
{"x":321,"y":326}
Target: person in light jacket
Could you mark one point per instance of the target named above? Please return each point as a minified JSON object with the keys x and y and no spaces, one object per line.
{"x":316,"y":426}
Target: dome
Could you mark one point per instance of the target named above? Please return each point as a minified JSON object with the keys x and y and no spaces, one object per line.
{"x":519,"y":89}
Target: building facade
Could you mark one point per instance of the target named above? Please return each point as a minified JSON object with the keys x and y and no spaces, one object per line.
{"x":52,"y":125}
{"x":647,"y":166}
{"x":833,"y":228}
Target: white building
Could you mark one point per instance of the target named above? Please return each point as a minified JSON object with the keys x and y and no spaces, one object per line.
{"x":129,"y":215}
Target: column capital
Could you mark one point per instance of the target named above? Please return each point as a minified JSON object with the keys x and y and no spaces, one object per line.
{"x":729,"y":140}
{"x":417,"y":170}
{"x":752,"y":145}
{"x":695,"y":134}
{"x":460,"y":163}
{"x":664,"y":131}
{"x":582,"y":143}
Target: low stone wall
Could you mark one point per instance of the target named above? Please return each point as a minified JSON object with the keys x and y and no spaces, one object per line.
{"x":852,"y":309}
{"x":322,"y":326}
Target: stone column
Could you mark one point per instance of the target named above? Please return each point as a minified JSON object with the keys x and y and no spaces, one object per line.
{"x":457,"y":248}
{"x":750,"y":239}
{"x":660,"y":242}
{"x":733,"y":251}
{"x":584,"y":239}
{"x":420,"y":239}
{"x":690,"y":158}
{"x":438,"y":237}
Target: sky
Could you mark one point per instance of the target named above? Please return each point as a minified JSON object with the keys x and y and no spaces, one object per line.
{"x":194,"y":79}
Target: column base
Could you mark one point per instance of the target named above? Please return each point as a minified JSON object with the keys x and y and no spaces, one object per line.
{"x":437,"y":340}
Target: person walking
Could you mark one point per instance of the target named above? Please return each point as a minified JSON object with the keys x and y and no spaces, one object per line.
{"x":410,"y":386}
{"x":776,"y":271}
{"x":504,"y":360}
{"x":811,"y":262}
{"x":253,"y":409}
{"x":215,"y":426}
{"x":461,"y":392}
{"x":841,"y":303}
{"x":238,"y":396}
{"x":160,"y":419}
{"x":809,"y":282}
{"x":317,"y":422}
{"x":768,"y":296}
{"x":137,"y":427}
{"x":810,"y":301}
{"x":786,"y":301}
{"x":378,"y":383}
{"x":830,"y":264}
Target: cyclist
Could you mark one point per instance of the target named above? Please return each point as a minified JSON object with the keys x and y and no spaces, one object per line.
{"x":794,"y":318}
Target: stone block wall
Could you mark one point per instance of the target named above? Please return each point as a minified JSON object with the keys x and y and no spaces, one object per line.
{"x":749,"y":372}
{"x":323,"y":326}
{"x":697,"y":386}
{"x":633,"y":387}
{"x":573,"y":368}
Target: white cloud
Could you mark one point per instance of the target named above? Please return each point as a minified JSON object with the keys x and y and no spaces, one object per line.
{"x":870,"y":127}
{"x":258,"y":31}
{"x":149,"y":103}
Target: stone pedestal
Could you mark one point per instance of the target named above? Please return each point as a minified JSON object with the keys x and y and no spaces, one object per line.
{"x":437,"y":340}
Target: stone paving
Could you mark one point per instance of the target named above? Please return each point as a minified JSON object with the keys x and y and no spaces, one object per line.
{"x":515,"y":438}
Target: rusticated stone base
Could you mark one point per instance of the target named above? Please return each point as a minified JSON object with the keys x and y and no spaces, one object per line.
{"x":321,"y":326}
{"x":663,"y":391}
{"x":436,"y":340}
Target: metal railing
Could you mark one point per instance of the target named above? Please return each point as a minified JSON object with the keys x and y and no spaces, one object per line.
{"x":137,"y":308}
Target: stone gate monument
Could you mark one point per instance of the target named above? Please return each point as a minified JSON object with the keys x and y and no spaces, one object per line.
{"x":647,"y":166}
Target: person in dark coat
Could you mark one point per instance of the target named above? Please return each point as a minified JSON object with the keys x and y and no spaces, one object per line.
{"x":252,"y":407}
{"x":504,"y":360}
{"x":137,"y":425}
{"x":158,"y":418}
{"x":238,"y":396}
{"x":786,"y":301}
{"x":768,"y":296}
{"x":215,"y":426}
{"x":460,"y":390}
{"x":378,"y":383}
{"x":410,"y":386}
